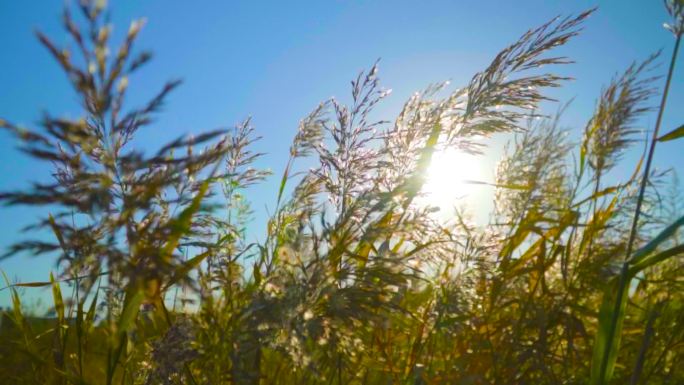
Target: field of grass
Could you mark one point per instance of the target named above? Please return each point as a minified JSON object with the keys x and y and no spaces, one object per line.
{"x":573,"y":281}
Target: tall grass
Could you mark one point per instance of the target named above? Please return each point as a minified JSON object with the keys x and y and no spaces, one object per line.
{"x":355,"y":282}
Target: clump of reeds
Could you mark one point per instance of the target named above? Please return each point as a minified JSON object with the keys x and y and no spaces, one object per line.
{"x":355,"y":282}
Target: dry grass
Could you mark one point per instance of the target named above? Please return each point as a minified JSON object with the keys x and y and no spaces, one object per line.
{"x":354,"y":283}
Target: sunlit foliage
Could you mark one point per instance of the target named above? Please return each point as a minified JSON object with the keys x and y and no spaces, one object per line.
{"x":355,"y":281}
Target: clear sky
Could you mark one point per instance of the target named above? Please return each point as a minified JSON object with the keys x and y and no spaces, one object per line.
{"x":275,"y":60}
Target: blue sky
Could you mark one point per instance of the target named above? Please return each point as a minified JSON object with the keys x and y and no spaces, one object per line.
{"x":275,"y":61}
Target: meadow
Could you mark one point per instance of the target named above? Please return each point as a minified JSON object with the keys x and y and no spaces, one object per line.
{"x":574,"y":280}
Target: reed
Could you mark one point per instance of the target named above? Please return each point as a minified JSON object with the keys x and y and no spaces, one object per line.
{"x":355,"y":281}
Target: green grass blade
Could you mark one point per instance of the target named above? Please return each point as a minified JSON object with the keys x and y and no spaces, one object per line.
{"x":612,"y":311}
{"x":186,"y":268}
{"x":27,"y":284}
{"x":655,"y":259}
{"x":607,"y":341}
{"x":672,"y":135}
{"x":90,"y":316}
{"x":57,"y":298}
{"x":651,"y":246}
{"x":130,"y":311}
{"x":182,"y":224}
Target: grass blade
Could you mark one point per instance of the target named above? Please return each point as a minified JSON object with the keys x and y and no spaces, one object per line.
{"x":607,"y":340}
{"x":672,"y":135}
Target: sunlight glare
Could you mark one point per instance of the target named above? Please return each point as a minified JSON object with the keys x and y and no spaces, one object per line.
{"x":448,"y":177}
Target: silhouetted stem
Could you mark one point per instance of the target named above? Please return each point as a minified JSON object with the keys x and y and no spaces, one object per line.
{"x":623,"y":279}
{"x":651,"y":150}
{"x":648,"y":334}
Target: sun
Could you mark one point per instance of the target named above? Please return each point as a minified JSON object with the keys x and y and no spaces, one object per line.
{"x":450,"y":177}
